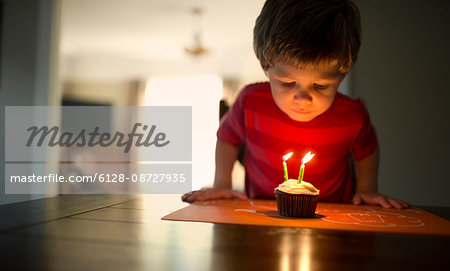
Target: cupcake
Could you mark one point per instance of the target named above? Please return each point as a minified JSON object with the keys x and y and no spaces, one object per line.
{"x":296,"y":199}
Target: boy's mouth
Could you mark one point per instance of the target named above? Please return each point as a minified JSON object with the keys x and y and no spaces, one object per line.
{"x":302,"y":111}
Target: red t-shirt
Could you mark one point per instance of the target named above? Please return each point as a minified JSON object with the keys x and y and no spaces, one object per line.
{"x":267,"y":133}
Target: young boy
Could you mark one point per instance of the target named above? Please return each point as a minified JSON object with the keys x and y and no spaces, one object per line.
{"x":306,"y":48}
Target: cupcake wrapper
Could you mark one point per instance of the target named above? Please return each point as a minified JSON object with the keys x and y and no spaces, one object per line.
{"x":296,"y":205}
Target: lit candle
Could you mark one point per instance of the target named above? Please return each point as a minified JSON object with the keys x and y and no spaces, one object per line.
{"x":285,"y":158}
{"x":305,"y":160}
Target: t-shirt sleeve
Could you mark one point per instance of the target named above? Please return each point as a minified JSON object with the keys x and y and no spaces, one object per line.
{"x":366,"y":141}
{"x":231,"y":128}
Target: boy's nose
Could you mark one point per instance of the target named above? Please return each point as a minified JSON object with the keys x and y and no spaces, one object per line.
{"x":302,"y":96}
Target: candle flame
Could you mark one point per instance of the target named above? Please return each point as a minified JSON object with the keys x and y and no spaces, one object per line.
{"x":307,"y":158}
{"x":287,"y":156}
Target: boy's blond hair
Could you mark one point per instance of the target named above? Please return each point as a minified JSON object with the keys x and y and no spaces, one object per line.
{"x":308,"y":33}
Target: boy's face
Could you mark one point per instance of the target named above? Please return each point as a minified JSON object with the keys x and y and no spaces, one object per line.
{"x":302,"y":94}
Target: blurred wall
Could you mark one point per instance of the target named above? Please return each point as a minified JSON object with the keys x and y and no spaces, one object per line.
{"x":403,"y":75}
{"x":28,"y":69}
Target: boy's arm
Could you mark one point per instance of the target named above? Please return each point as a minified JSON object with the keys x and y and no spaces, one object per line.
{"x":226,"y":155}
{"x":366,"y":184}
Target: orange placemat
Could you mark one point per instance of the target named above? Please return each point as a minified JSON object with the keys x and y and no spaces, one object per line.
{"x":328,"y":216}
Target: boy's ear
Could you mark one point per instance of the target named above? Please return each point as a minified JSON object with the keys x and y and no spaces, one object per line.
{"x":343,"y":75}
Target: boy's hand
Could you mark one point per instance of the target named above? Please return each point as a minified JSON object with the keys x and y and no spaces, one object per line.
{"x":212,"y":193}
{"x":379,"y":199}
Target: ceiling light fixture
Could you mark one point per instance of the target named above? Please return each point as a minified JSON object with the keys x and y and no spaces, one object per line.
{"x":197,"y":49}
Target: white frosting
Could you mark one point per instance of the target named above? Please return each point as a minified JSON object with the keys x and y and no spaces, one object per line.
{"x":293,"y":187}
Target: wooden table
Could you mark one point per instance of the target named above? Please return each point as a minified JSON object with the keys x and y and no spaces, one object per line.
{"x":95,"y":232}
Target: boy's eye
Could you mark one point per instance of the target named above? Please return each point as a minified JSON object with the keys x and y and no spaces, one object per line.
{"x":288,"y":84}
{"x":320,"y":87}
